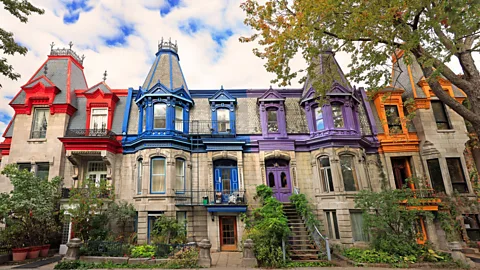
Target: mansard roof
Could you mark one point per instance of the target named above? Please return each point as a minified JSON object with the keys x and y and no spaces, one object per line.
{"x":166,"y":69}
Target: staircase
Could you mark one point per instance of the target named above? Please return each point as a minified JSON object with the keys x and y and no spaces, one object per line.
{"x":301,"y":245}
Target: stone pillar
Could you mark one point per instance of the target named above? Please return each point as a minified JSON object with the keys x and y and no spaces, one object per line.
{"x":204,"y":259}
{"x":73,"y":251}
{"x":248,"y":259}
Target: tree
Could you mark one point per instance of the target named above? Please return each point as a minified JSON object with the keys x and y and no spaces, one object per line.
{"x":20,"y":9}
{"x":433,"y":33}
{"x":124,"y":214}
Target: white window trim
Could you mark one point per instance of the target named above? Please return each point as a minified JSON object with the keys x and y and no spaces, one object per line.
{"x":93,"y":114}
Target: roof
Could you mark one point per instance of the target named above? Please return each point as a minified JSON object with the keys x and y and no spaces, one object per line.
{"x":378,"y":123}
{"x":9,"y":131}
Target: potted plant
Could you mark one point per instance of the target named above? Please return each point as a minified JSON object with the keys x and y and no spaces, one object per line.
{"x":14,"y":237}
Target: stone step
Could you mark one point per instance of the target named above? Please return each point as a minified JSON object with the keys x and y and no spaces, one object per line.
{"x":303,"y":251}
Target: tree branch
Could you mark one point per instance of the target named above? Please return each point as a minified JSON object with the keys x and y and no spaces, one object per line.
{"x":396,"y":44}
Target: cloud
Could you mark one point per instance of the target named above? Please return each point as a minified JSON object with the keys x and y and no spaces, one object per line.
{"x":74,"y":8}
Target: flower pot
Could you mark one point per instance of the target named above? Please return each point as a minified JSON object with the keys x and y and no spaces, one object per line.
{"x":44,"y":250}
{"x":34,"y":252}
{"x":19,"y":254}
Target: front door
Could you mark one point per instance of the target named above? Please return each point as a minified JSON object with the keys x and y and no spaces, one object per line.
{"x":228,"y":233}
{"x":278,"y":178}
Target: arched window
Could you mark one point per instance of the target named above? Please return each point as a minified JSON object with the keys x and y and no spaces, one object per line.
{"x":139,"y":175}
{"x":179,"y":118}
{"x":158,"y":175}
{"x":160,"y":115}
{"x":325,"y":173}
{"x":180,"y":175}
{"x":337,"y":115}
{"x":349,"y":175}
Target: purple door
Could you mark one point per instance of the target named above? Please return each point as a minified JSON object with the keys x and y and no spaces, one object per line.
{"x":278,"y":178}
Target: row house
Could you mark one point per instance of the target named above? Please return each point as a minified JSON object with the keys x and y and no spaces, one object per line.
{"x":199,"y":154}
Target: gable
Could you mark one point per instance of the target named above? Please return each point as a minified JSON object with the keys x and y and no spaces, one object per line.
{"x":222,"y":95}
{"x":271,"y":95}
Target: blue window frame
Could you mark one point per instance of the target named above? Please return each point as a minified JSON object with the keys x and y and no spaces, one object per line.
{"x":179,"y":175}
{"x":152,"y":217}
{"x":179,"y":118}
{"x":159,"y":116}
{"x":158,"y":175}
{"x":226,"y":180}
{"x":319,"y":124}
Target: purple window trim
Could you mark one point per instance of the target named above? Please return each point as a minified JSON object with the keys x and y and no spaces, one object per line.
{"x":281,"y":119}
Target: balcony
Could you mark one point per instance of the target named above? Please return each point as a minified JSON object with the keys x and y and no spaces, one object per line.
{"x":208,"y":127}
{"x":211,"y":198}
{"x":422,"y":199}
{"x":66,"y":193}
{"x":103,"y":133}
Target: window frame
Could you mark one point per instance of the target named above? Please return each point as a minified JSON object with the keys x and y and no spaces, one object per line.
{"x":182,"y":177}
{"x":342,"y":116}
{"x":364,"y":235}
{"x":353,"y":170}
{"x":94,"y":114}
{"x":98,"y":174}
{"x":315,"y":122}
{"x":24,"y":164}
{"x":155,"y":117}
{"x":226,"y":123}
{"x":179,"y":120}
{"x":326,"y":179}
{"x":43,"y":133}
{"x":164,"y":175}
{"x":333,"y":231}
{"x":460,"y":169}
{"x":139,"y":176}
{"x":39,"y":164}
{"x":429,"y":169}
{"x":444,"y":112}
{"x":393,"y":125}
{"x":268,"y":110}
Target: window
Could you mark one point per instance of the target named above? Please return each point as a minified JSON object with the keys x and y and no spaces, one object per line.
{"x":472,"y":226}
{"x":98,"y":119}
{"x":440,"y":115}
{"x":326,"y":174}
{"x":332,"y":224}
{"x":97,"y":171}
{"x":358,"y":231}
{"x":337,"y":116}
{"x":401,"y":172}
{"x":160,"y":115}
{"x":152,"y":217}
{"x":272,"y":123}
{"x":139,"y":175}
{"x":435,"y":175}
{"x":182,"y":218}
{"x":223,"y":120}
{"x":39,"y":125}
{"x":456,"y":175}
{"x":25,"y":166}
{"x":179,"y":118}
{"x":158,"y":175}
{"x":144,"y":124}
{"x":393,"y":119}
{"x":348,"y":173}
{"x":43,"y":170}
{"x":180,"y":175}
{"x":319,"y":125}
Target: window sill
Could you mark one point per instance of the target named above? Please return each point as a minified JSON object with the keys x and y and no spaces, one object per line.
{"x":445,"y":130}
{"x":37,"y":140}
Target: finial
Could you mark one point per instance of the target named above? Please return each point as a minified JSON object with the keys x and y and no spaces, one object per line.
{"x":221,"y":88}
{"x":105,"y":76}
{"x":51,"y":45}
{"x":70,"y":44}
{"x":270,"y":87}
{"x":83,"y":57}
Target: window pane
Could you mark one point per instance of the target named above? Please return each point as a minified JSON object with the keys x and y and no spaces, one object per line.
{"x":440,"y":115}
{"x":158,"y":166}
{"x":272,"y":123}
{"x":158,"y":183}
{"x":326,"y":174}
{"x":39,"y":125}
{"x":43,"y":170}
{"x":348,"y":173}
{"x":98,"y":119}
{"x":223,"y":120}
{"x":337,"y":116}
{"x":283,"y":178}
{"x":144,"y":124}
{"x":393,"y":119}
{"x":139,"y":176}
{"x":319,"y":119}
{"x":160,"y":115}
{"x":182,"y":218}
{"x":179,"y":118}
{"x":180,"y":172}
{"x":332,"y":225}
{"x":457,"y":177}
{"x":435,"y":175}
{"x":357,"y":227}
{"x":226,"y":179}
{"x":25,"y":166}
{"x":271,"y":180}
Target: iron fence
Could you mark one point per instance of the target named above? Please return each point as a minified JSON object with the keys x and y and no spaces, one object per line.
{"x":105,"y":248}
{"x":203,"y":127}
{"x":210,"y":197}
{"x":90,"y":133}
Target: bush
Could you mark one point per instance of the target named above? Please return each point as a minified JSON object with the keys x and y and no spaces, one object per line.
{"x":167,"y":230}
{"x":74,"y":265}
{"x":186,"y":258}
{"x":369,"y":256}
{"x":144,"y":251}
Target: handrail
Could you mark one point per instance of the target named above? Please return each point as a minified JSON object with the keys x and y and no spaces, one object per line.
{"x":316,"y":230}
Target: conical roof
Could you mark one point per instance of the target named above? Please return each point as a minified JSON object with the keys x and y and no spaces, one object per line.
{"x":166,"y":69}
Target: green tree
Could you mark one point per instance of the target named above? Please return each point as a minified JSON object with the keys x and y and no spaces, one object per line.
{"x":167,"y":230}
{"x":20,"y":9}
{"x":88,"y":204}
{"x":124,"y":214}
{"x":32,"y":207}
{"x":434,"y":33}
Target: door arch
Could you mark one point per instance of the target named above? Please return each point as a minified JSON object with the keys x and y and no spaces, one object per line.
{"x":278,"y":178}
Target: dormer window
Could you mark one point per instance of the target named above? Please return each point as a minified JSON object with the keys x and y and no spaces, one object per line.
{"x":179,"y":118}
{"x":98,"y":119}
{"x":393,"y":119}
{"x":272,"y":120}
{"x":39,"y":125}
{"x":223,"y":120}
{"x":337,"y":114}
{"x":160,"y":115}
{"x":319,"y":124}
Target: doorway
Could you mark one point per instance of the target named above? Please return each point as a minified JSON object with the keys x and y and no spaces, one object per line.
{"x":278,"y":178}
{"x":226,"y":179}
{"x":401,"y":172}
{"x":228,"y":233}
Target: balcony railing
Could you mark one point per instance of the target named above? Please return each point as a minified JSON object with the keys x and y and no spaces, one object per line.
{"x":210,"y":197}
{"x":90,"y":133}
{"x":66,"y":193}
{"x":202,"y":127}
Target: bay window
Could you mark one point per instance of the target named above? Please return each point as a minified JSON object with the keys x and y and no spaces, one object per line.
{"x":159,"y":115}
{"x":337,"y":115}
{"x":349,"y":176}
{"x":319,"y":124}
{"x":180,"y":175}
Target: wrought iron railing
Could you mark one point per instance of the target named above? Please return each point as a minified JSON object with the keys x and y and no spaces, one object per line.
{"x":320,"y":240}
{"x":90,"y":133}
{"x":163,"y":251}
{"x":105,"y":248}
{"x":210,"y":197}
{"x":67,"y":193}
{"x":202,"y":127}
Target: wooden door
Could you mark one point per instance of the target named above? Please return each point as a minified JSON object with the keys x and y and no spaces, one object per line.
{"x":278,"y":178}
{"x":228,"y":233}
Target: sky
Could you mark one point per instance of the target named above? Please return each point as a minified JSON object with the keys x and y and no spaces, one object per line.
{"x":121,"y":36}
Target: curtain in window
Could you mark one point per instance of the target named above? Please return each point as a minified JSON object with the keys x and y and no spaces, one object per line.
{"x":158,"y":175}
{"x":99,"y":119}
{"x":348,"y":173}
{"x":39,"y":128}
{"x":326,"y":174}
{"x":180,"y":175}
{"x":357,"y":227}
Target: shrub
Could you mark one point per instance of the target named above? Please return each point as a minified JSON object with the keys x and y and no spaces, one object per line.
{"x":74,"y":265}
{"x":369,"y":256}
{"x":186,"y":258}
{"x":304,"y":209}
{"x":144,"y":251}
{"x":167,"y":230}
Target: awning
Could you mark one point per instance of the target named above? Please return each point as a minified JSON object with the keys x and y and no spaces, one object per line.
{"x":227,"y":209}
